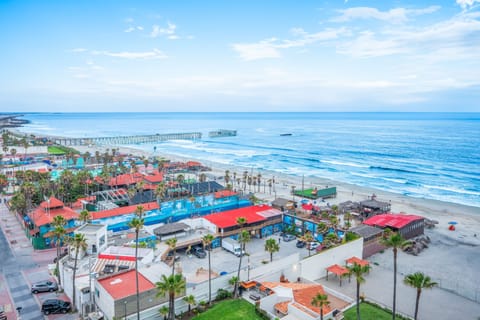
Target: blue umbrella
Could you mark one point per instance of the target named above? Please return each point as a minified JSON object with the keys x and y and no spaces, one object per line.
{"x":452,"y":222}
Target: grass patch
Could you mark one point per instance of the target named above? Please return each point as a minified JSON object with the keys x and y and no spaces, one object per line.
{"x":237,"y":309}
{"x":370,"y":311}
{"x":61,"y":150}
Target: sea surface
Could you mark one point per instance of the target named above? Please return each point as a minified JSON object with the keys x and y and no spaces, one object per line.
{"x":425,"y":155}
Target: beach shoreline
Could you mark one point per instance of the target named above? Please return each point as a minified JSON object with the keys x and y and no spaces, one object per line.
{"x":467,"y":217}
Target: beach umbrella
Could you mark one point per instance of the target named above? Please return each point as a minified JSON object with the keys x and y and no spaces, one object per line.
{"x":452,"y":222}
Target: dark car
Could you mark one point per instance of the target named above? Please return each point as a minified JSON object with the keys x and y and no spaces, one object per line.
{"x":300,"y":244}
{"x":56,"y":306}
{"x":288,"y":237}
{"x":199,"y":252}
{"x":44,"y":286}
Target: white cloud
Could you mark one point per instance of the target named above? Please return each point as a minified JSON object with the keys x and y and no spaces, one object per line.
{"x":153,"y":54}
{"x":270,"y":48}
{"x":397,"y":15}
{"x":169,"y":31}
{"x":129,"y":29}
{"x":466,"y":3}
{"x":140,"y":28}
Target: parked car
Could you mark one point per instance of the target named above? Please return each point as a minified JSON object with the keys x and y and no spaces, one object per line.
{"x":44,"y":286}
{"x":300,"y":244}
{"x":288,"y":237}
{"x":56,"y":306}
{"x":313,"y":245}
{"x":199,"y":252}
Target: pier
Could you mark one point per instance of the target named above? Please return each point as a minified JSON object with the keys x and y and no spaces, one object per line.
{"x":153,"y":138}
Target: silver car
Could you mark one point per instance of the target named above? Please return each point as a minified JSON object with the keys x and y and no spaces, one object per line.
{"x":44,"y":286}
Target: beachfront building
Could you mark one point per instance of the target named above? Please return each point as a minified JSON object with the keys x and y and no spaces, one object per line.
{"x":283,"y":204}
{"x":262,"y":221}
{"x":292,"y":300}
{"x":372,"y":237}
{"x":372,"y":207}
{"x":407,"y":225}
{"x":39,"y":225}
{"x":301,"y":224}
{"x":116,"y":295}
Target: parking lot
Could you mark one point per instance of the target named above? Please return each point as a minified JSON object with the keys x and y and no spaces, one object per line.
{"x":224,"y":261}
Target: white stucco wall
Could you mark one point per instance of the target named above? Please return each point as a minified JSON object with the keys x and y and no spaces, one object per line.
{"x":314,"y":267}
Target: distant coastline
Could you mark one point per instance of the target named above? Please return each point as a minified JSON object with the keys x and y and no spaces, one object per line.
{"x":12,"y":121}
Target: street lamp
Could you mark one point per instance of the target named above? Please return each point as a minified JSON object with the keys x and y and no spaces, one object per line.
{"x":125,"y":309}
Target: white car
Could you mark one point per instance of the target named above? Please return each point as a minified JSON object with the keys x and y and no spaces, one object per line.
{"x":313,"y":245}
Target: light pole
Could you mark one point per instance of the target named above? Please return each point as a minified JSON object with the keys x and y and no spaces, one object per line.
{"x":125,"y":308}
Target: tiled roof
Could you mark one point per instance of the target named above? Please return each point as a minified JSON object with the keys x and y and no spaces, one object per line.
{"x":154,"y":178}
{"x":302,"y":295}
{"x":224,"y":193}
{"x":396,"y":221}
{"x":358,"y":261}
{"x":41,"y":217}
{"x":123,"y":285}
{"x":229,"y":218}
{"x":122,"y":210}
{"x":54,"y":203}
{"x":337,"y":269}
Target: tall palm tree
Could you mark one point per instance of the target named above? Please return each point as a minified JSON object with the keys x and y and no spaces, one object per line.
{"x":172,"y":285}
{"x":79,"y":243}
{"x":394,"y":241}
{"x":207,"y":245}
{"x":321,"y":301}
{"x":358,"y":271}
{"x":137,"y":223}
{"x":190,"y":300}
{"x":271,"y":246}
{"x":172,"y":244}
{"x":58,"y":232}
{"x":160,"y":193}
{"x":419,"y":281}
{"x":243,"y":239}
{"x":84,"y":216}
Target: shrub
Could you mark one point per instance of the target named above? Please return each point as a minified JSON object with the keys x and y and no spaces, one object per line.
{"x":223,"y":294}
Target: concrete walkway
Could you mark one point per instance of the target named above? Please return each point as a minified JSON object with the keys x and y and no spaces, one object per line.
{"x":435,"y":304}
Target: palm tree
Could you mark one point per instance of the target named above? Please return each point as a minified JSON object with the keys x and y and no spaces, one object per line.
{"x":58,"y":232}
{"x":418,"y":281}
{"x":190,"y":300}
{"x":172,"y":244}
{"x":137,"y":224}
{"x":160,"y":193}
{"x":233,"y":282}
{"x":84,"y":216}
{"x":243,"y":239}
{"x":163,"y":311}
{"x":78,"y":243}
{"x":172,"y":285}
{"x":358,"y":271}
{"x":394,"y":241}
{"x":271,"y":246}
{"x":207,"y":245}
{"x":321,"y":301}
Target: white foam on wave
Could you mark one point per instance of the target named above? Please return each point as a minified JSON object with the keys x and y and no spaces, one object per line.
{"x":347,"y":164}
{"x":452,"y":189}
{"x":401,"y":181}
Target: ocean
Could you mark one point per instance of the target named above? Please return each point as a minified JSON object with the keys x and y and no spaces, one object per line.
{"x":424,"y":155}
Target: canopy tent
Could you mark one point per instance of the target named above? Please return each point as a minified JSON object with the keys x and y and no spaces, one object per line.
{"x":358,"y":261}
{"x":337,"y":270}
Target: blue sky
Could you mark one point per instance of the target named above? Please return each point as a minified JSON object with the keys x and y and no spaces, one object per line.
{"x":270,"y":55}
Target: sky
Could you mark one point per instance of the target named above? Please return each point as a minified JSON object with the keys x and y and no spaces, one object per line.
{"x":239,"y":55}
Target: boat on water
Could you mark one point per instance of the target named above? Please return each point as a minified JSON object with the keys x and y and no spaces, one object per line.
{"x":222,"y":133}
{"x":285,"y":134}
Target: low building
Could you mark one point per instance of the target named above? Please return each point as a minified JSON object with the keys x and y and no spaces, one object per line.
{"x":372,"y":237}
{"x":294,"y":300}
{"x":262,"y":221}
{"x":407,"y":225}
{"x":116,"y":295}
{"x":171,"y":230}
{"x":283,"y":204}
{"x":39,"y":222}
{"x":372,"y":207}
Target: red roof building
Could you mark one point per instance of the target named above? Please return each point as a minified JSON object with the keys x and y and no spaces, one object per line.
{"x":229,"y":218}
{"x":408,"y":225}
{"x":123,"y":285}
{"x":153,"y":178}
{"x":49,"y":209}
{"x":122,"y":210}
